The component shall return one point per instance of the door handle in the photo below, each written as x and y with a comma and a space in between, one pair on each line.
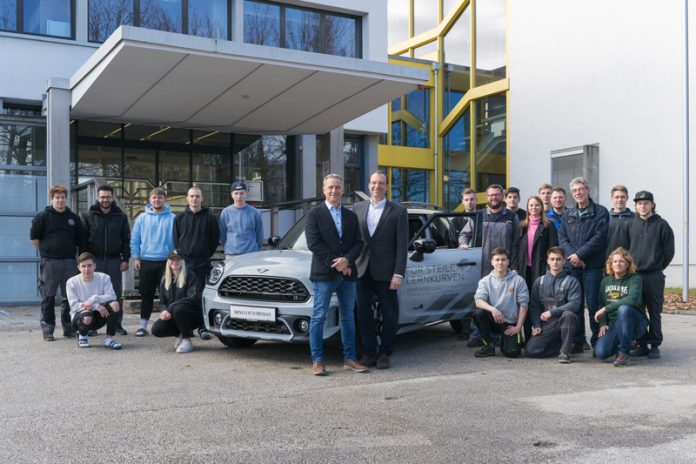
466, 262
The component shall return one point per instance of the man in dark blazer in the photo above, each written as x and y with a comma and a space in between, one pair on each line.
333, 236
381, 268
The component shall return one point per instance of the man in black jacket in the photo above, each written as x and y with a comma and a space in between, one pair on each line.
651, 244
108, 239
620, 217
196, 237
57, 233
333, 237
381, 268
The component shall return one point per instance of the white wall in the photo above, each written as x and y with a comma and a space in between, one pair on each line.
592, 71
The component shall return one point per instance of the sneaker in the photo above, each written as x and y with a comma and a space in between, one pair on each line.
178, 341
474, 342
640, 350
564, 358
622, 360
185, 346
654, 352
353, 365
368, 361
120, 330
141, 332
318, 368
576, 348
113, 344
48, 337
83, 342
484, 352
204, 334
383, 361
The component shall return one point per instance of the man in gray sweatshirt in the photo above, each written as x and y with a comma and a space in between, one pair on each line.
501, 299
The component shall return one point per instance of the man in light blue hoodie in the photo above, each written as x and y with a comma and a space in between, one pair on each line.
151, 241
502, 300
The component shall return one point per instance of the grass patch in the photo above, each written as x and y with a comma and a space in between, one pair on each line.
678, 291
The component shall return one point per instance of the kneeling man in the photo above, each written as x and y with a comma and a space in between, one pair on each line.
92, 302
501, 306
554, 304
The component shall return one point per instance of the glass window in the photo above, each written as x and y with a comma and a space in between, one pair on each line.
98, 161
458, 41
491, 141
105, 16
490, 41
424, 15
302, 30
397, 17
48, 17
22, 145
418, 106
352, 155
323, 161
208, 18
139, 164
22, 191
457, 160
102, 130
261, 23
13, 236
18, 282
396, 138
340, 35
410, 185
266, 160
8, 15
174, 165
163, 15
214, 138
426, 52
456, 85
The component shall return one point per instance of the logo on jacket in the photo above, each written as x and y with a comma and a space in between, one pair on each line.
71, 221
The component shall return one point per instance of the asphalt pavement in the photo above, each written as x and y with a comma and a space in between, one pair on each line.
437, 404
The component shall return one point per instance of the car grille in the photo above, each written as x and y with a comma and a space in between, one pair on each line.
263, 288
257, 326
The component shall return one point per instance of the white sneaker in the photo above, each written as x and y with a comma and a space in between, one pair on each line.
178, 342
185, 346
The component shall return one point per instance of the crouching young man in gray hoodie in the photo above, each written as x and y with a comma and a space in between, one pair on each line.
502, 299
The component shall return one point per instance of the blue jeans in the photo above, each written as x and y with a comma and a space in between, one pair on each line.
345, 291
629, 325
589, 279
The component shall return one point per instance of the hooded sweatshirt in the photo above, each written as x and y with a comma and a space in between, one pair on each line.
651, 243
60, 235
614, 292
556, 294
618, 228
152, 238
196, 235
505, 293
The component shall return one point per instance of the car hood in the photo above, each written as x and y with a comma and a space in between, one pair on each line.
273, 263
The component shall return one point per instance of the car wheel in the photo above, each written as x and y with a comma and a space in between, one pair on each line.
236, 342
457, 325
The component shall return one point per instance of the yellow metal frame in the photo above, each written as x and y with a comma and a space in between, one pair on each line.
427, 158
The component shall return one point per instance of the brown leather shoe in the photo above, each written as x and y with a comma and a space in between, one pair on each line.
318, 369
353, 365
368, 361
383, 361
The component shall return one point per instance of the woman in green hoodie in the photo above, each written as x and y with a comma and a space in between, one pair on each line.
622, 316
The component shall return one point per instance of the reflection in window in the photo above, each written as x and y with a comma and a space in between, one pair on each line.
397, 17
106, 15
99, 161
410, 185
163, 15
261, 23
266, 160
410, 127
302, 30
456, 85
491, 141
352, 155
207, 18
8, 15
22, 145
490, 41
458, 41
48, 17
174, 166
424, 15
340, 35
18, 282
22, 191
457, 160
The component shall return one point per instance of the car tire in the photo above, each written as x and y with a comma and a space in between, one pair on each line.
236, 342
457, 325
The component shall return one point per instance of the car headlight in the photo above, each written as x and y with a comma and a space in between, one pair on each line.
216, 273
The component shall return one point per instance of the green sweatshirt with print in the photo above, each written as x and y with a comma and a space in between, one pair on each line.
614, 292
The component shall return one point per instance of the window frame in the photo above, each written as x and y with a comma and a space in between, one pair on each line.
19, 22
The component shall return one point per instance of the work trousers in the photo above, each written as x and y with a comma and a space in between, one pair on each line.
55, 273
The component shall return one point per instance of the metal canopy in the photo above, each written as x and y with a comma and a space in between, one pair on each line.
162, 78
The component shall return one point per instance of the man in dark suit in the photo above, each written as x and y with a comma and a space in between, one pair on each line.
333, 236
381, 268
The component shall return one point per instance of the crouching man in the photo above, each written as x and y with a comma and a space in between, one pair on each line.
553, 304
92, 302
502, 299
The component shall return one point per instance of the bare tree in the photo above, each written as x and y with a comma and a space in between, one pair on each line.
106, 15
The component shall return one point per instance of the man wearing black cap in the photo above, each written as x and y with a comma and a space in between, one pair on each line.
651, 244
241, 229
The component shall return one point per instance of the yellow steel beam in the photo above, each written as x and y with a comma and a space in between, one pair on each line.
405, 157
477, 92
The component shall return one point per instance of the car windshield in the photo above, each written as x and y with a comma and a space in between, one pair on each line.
444, 228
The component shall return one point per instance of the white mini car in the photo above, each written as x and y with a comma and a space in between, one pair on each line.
267, 295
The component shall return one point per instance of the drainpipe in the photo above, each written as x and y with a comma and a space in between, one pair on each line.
685, 238
436, 128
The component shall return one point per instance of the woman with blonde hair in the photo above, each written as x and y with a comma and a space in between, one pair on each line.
622, 317
535, 237
182, 312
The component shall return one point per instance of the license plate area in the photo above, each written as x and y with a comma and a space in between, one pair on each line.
253, 313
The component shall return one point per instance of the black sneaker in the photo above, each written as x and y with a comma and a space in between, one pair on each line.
586, 346
564, 358
654, 352
48, 337
67, 333
474, 342
485, 351
204, 334
640, 350
120, 330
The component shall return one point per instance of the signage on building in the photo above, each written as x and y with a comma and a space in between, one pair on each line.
255, 192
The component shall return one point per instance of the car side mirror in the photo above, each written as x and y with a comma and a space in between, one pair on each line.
273, 241
422, 246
